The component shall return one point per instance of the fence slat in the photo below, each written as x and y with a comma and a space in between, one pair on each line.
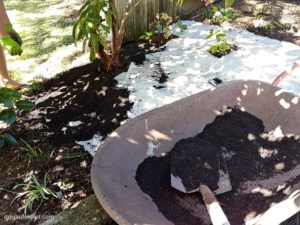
145, 13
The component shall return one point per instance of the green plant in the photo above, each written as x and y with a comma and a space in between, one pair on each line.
146, 36
10, 100
264, 10
93, 26
229, 3
218, 15
182, 27
32, 153
161, 25
34, 191
98, 18
220, 46
270, 26
223, 15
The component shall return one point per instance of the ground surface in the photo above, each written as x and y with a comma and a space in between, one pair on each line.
80, 94
285, 13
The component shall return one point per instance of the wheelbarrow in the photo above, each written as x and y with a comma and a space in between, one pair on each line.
156, 132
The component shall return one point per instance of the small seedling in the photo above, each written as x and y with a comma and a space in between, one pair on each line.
181, 26
32, 153
223, 15
146, 36
270, 26
34, 191
262, 11
220, 47
161, 25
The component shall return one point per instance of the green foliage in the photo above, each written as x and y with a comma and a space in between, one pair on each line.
32, 153
10, 100
161, 25
218, 15
182, 27
270, 26
221, 45
93, 25
146, 36
33, 191
264, 10
229, 3
274, 25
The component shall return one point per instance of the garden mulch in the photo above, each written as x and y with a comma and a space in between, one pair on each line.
80, 94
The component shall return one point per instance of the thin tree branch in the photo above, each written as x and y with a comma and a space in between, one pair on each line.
128, 11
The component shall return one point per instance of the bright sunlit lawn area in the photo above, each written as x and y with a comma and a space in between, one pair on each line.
45, 27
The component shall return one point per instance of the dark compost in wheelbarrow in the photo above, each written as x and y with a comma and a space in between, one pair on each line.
251, 154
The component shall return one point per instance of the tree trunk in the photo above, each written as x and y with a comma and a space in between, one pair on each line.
117, 39
106, 59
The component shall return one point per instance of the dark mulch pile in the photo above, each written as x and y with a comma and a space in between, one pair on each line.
196, 161
252, 153
80, 94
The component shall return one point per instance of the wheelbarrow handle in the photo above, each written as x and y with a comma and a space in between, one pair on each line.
213, 207
279, 212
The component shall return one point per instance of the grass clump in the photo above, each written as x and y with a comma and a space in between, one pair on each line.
34, 191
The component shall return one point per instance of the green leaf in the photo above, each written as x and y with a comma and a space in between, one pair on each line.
25, 105
229, 3
219, 36
9, 93
211, 33
8, 116
7, 102
9, 139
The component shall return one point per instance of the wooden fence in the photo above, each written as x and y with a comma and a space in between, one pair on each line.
145, 13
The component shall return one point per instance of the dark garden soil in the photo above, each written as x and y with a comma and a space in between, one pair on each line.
284, 14
251, 153
196, 161
80, 94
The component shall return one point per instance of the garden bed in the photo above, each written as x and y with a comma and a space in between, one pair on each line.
82, 94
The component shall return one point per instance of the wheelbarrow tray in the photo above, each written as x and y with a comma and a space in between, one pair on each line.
156, 132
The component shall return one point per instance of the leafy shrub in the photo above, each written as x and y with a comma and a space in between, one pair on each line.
220, 47
218, 15
93, 26
10, 100
146, 36
161, 25
98, 18
182, 27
